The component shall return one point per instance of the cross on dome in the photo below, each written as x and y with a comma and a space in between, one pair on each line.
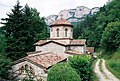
61, 16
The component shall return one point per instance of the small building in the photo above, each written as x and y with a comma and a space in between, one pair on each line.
48, 52
90, 50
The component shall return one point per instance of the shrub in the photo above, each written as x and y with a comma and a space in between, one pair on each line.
83, 66
62, 72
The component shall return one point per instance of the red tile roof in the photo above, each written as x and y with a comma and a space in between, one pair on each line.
60, 22
77, 42
46, 60
73, 52
90, 49
72, 42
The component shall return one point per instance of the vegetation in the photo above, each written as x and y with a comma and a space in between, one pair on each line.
111, 37
113, 63
3, 69
22, 29
83, 66
100, 66
95, 28
62, 72
102, 30
3, 60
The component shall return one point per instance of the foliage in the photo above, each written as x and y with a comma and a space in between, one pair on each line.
22, 29
2, 44
62, 72
93, 26
111, 36
83, 66
113, 63
3, 60
3, 67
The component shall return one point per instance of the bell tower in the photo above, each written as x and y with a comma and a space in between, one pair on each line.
61, 29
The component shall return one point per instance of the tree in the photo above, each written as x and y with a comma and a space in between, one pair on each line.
83, 66
2, 44
111, 37
62, 72
23, 28
3, 67
3, 60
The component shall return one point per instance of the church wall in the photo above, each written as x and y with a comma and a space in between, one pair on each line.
37, 70
51, 47
53, 32
78, 48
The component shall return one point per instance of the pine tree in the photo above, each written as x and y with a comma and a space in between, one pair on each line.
23, 28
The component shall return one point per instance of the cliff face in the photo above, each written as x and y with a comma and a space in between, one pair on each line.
72, 15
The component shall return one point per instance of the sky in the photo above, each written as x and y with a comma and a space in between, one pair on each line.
49, 7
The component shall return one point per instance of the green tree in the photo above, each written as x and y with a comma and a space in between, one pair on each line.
83, 66
111, 36
3, 67
3, 60
62, 72
23, 28
93, 26
2, 44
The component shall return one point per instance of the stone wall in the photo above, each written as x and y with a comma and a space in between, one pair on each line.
53, 32
51, 47
16, 69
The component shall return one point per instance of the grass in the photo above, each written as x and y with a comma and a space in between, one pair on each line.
100, 65
113, 68
94, 77
101, 69
113, 63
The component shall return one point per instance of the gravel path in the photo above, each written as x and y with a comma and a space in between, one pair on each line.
106, 75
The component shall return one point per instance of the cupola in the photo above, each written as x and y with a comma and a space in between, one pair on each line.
61, 29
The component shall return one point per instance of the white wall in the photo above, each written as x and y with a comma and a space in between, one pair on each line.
51, 47
78, 48
38, 71
53, 33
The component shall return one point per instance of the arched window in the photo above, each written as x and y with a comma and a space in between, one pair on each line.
57, 32
32, 71
66, 32
22, 70
26, 67
51, 30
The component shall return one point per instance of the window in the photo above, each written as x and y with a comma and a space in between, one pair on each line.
21, 70
57, 32
32, 71
66, 32
26, 67
51, 30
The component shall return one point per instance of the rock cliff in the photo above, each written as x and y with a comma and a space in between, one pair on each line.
72, 15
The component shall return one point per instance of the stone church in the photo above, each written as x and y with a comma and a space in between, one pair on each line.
48, 52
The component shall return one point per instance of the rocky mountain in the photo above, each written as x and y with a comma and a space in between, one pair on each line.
72, 15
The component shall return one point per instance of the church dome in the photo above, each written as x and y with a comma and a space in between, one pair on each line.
61, 22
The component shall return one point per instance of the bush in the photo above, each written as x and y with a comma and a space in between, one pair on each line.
83, 66
62, 72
